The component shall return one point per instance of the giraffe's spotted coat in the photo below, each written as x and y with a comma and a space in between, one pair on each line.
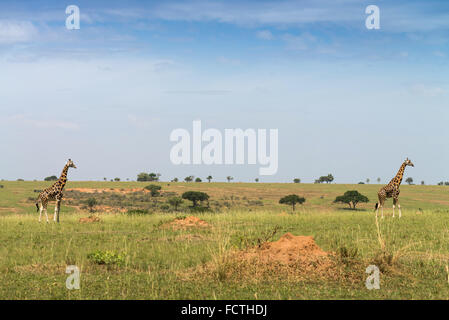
391, 190
54, 193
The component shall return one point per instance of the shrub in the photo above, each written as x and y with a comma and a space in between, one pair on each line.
296, 180
175, 202
292, 200
91, 203
51, 178
106, 258
352, 198
195, 196
137, 211
198, 180
154, 189
1, 186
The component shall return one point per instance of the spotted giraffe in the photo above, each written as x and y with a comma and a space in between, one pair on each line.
54, 193
391, 190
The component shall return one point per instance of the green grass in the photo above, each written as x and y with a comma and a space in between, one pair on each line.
154, 259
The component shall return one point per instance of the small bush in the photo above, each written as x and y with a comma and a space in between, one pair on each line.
1, 186
200, 209
91, 203
137, 212
154, 189
106, 258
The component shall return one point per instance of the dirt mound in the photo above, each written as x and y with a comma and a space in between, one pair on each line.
289, 249
89, 219
291, 258
188, 222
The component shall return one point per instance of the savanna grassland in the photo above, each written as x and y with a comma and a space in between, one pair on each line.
134, 253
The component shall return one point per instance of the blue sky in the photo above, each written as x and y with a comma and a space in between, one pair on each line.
346, 100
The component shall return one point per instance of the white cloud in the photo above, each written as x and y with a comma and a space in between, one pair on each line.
299, 42
426, 90
16, 31
27, 120
265, 35
440, 54
229, 61
141, 122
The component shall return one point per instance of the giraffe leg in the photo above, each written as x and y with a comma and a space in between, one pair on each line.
382, 209
57, 208
393, 209
56, 211
46, 214
40, 212
399, 207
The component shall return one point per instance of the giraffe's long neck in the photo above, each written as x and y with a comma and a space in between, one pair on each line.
63, 178
398, 178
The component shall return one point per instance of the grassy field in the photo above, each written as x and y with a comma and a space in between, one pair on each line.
159, 262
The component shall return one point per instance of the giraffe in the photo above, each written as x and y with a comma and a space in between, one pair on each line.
392, 190
54, 193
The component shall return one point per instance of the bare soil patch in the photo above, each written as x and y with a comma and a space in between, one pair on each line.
292, 258
187, 222
115, 190
89, 219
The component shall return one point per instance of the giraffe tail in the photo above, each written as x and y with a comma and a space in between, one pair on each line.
376, 206
37, 206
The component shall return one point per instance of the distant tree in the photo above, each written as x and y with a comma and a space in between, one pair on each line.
198, 180
409, 180
175, 202
361, 182
154, 176
154, 189
143, 176
296, 180
378, 180
446, 183
20, 179
292, 200
188, 179
352, 198
367, 180
195, 196
105, 178
229, 178
51, 178
329, 178
175, 180
441, 183
209, 178
91, 203
423, 183
148, 176
116, 179
257, 179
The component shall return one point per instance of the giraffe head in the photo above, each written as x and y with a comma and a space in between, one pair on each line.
408, 162
70, 164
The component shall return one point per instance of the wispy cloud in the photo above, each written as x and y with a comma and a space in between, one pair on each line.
199, 92
427, 90
141, 121
16, 31
28, 120
299, 42
265, 35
